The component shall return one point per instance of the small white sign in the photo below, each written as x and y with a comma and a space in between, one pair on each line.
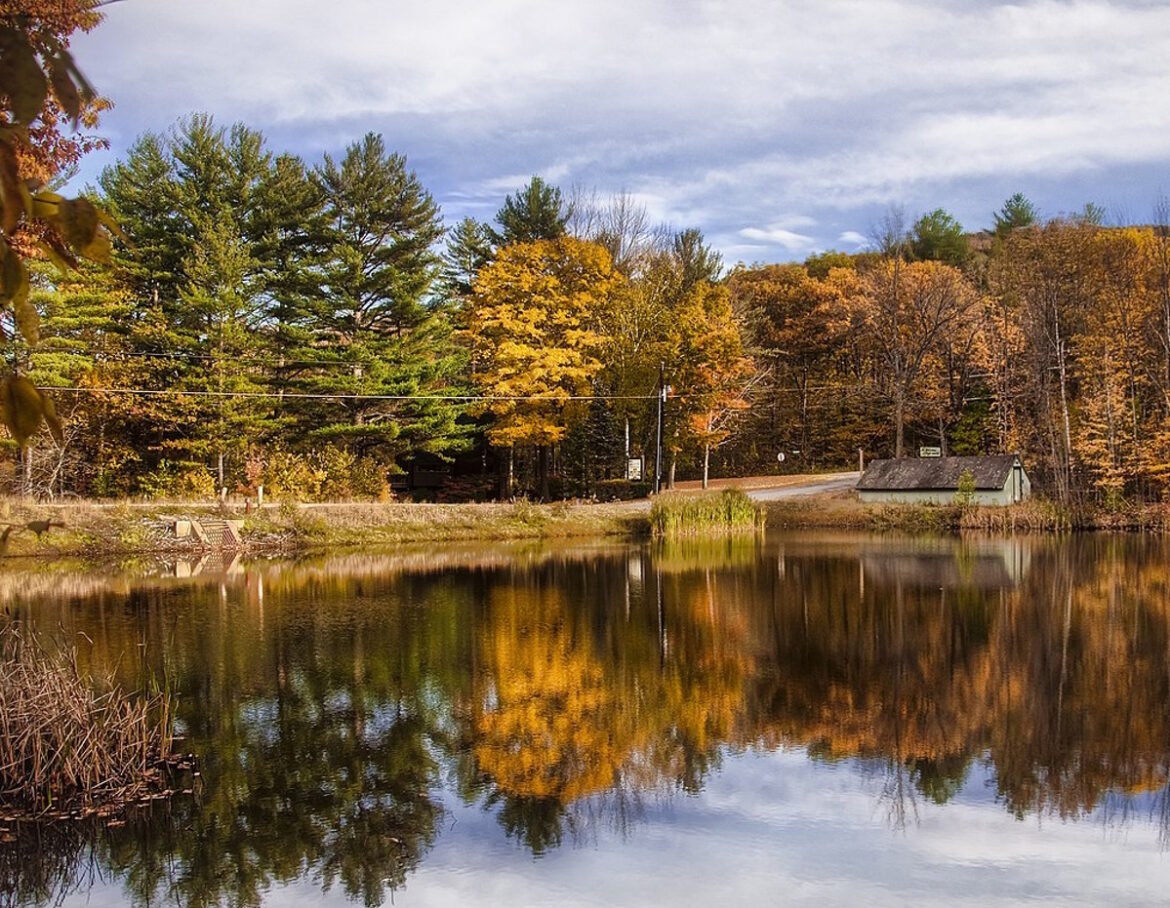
780, 456
930, 452
634, 469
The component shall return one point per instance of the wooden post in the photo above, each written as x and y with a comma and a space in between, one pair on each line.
861, 460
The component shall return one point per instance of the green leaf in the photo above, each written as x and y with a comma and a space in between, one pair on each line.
57, 254
10, 186
13, 276
47, 205
63, 88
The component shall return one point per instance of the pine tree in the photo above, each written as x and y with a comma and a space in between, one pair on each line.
372, 332
84, 318
190, 203
536, 212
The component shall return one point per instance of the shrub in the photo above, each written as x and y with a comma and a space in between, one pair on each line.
182, 480
291, 477
965, 490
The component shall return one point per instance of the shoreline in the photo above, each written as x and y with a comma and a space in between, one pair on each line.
97, 530
101, 530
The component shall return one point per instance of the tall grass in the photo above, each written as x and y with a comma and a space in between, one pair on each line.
694, 515
69, 742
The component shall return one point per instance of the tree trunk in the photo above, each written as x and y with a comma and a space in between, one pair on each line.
706, 464
670, 474
1064, 410
26, 457
542, 471
899, 422
504, 476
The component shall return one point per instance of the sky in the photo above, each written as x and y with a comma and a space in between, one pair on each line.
778, 128
768, 828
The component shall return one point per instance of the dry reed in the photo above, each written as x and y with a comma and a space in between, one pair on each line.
731, 510
70, 743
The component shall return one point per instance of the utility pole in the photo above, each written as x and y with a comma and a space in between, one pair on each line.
661, 417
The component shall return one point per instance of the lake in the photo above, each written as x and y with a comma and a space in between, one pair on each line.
803, 719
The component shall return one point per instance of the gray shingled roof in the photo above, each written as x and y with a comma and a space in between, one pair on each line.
936, 473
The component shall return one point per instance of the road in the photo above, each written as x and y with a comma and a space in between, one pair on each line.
830, 482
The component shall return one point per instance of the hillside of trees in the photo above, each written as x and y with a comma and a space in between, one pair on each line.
316, 328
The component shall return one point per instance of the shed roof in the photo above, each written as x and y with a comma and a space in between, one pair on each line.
936, 473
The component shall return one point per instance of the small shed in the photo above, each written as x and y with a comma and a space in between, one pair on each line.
999, 480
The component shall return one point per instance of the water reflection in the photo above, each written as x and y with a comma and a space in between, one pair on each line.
338, 704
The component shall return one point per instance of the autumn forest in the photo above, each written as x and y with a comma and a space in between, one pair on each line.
318, 330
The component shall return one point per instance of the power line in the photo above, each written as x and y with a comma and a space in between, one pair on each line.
278, 395
199, 357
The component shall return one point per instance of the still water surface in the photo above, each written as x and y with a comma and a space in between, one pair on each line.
828, 720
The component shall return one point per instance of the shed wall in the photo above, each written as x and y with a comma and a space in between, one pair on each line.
940, 496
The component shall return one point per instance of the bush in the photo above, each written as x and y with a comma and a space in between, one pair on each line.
327, 474
291, 477
181, 480
965, 490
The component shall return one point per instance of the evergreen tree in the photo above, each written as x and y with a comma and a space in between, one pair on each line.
536, 212
469, 249
1016, 212
84, 317
372, 333
696, 261
189, 202
938, 237
291, 230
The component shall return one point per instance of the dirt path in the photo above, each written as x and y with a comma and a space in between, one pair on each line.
778, 488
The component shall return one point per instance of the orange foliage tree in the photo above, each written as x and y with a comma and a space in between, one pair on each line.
534, 332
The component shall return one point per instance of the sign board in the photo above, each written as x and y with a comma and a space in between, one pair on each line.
930, 452
780, 456
634, 469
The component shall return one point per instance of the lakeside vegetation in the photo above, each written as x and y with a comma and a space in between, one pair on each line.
128, 530
71, 744
288, 355
729, 511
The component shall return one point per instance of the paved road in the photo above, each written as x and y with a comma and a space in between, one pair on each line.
833, 482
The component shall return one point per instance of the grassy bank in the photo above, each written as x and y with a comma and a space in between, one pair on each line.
1036, 516
91, 530
99, 531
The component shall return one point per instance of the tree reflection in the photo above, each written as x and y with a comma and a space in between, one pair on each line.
560, 692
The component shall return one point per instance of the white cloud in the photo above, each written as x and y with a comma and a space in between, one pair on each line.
777, 236
729, 109
853, 238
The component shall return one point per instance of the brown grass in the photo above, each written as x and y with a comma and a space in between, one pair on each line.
69, 743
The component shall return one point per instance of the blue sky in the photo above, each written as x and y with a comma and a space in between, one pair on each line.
778, 128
